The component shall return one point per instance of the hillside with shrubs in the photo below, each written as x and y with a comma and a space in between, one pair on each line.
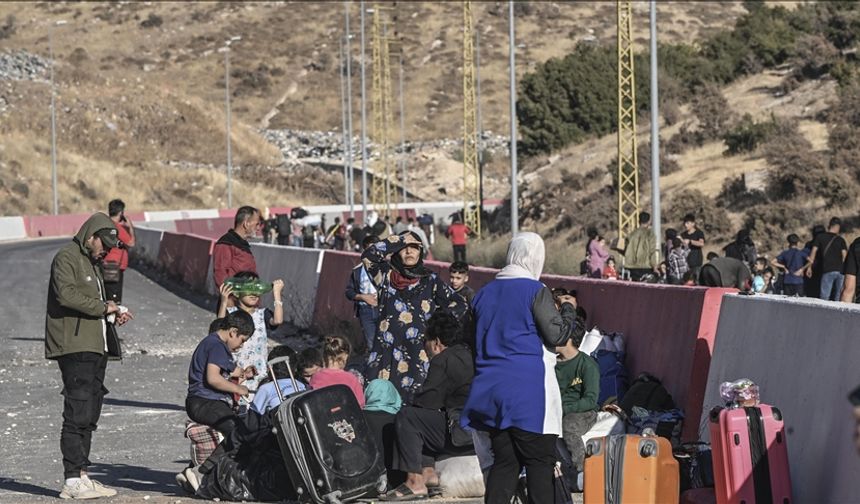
759, 130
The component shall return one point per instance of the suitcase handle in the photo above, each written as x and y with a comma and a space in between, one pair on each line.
271, 366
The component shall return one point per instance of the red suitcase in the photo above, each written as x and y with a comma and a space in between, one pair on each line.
750, 456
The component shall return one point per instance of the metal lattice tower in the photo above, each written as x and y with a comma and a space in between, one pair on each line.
471, 170
383, 116
628, 161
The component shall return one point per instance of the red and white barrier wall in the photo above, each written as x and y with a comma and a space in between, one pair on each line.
13, 228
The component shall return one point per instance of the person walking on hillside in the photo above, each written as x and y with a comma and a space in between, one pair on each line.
458, 233
408, 294
640, 255
833, 250
232, 252
515, 396
77, 336
116, 261
694, 239
793, 262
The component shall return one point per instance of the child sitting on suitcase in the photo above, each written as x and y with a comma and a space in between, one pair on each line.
267, 397
336, 352
578, 378
308, 362
210, 392
253, 353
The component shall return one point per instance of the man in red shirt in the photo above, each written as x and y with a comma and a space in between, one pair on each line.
117, 258
458, 233
232, 252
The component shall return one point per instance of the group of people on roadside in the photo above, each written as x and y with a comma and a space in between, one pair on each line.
825, 266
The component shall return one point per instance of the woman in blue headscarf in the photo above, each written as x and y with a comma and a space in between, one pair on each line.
515, 395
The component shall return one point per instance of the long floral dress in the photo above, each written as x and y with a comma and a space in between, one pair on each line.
398, 353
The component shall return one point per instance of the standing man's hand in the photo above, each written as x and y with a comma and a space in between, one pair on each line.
567, 299
111, 307
124, 317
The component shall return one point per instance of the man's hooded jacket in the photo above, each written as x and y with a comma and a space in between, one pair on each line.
74, 321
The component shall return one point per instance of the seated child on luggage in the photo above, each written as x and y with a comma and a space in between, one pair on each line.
308, 363
383, 403
336, 352
210, 392
578, 378
267, 397
253, 353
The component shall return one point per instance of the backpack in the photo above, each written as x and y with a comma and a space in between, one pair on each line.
646, 392
613, 376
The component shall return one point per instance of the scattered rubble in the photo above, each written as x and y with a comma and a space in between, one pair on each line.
21, 65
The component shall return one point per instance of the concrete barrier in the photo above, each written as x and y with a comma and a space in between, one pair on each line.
186, 257
172, 215
146, 244
210, 228
55, 225
162, 225
12, 228
299, 269
331, 304
803, 354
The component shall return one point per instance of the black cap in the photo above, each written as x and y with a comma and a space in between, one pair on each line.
109, 237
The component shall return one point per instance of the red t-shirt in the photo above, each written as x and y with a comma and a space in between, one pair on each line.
120, 255
458, 233
329, 376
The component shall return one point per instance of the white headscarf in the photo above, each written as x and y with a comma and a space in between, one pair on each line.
526, 255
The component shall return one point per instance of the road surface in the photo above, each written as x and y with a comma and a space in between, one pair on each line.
139, 445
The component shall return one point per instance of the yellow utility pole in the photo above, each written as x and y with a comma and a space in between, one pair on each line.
628, 161
471, 170
383, 116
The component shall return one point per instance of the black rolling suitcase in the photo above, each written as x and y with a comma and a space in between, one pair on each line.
328, 448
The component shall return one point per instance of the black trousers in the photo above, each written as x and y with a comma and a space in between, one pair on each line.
422, 435
113, 291
218, 415
459, 253
513, 449
793, 289
83, 376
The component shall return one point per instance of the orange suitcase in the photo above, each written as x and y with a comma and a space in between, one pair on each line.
631, 469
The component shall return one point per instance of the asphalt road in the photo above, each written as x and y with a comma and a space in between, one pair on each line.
139, 445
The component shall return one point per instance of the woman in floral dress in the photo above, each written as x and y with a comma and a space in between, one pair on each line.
408, 293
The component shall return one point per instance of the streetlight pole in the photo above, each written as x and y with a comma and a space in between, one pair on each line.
343, 120
402, 134
226, 50
513, 90
480, 124
655, 132
227, 108
54, 188
363, 121
349, 114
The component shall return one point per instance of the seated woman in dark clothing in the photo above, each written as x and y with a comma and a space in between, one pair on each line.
424, 430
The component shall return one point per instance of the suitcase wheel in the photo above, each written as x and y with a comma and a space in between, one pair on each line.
647, 448
777, 415
593, 447
715, 414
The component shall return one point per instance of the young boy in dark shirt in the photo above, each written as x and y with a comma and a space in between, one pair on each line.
210, 391
579, 380
459, 274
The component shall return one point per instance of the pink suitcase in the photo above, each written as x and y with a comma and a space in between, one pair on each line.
750, 456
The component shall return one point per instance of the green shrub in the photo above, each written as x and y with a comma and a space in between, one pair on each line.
747, 135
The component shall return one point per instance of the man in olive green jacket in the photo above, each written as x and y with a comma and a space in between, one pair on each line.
75, 336
640, 255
